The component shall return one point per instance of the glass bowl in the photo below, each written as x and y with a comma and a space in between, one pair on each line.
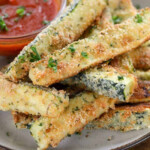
13, 45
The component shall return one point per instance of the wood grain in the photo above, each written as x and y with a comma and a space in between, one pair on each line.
142, 146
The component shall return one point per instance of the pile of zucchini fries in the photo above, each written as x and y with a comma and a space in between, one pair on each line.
90, 68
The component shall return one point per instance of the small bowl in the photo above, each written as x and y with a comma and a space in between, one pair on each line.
13, 45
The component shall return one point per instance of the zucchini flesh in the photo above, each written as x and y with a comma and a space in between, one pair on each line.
107, 81
29, 99
64, 30
80, 111
124, 118
108, 44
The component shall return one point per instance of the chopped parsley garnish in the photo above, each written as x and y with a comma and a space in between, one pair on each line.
137, 6
116, 19
120, 78
52, 64
72, 49
45, 0
21, 11
21, 58
35, 56
3, 26
84, 54
41, 124
45, 22
138, 18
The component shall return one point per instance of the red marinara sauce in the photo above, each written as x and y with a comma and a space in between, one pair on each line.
26, 16
21, 20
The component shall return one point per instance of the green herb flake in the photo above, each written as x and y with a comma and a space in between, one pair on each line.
84, 54
35, 55
116, 19
138, 18
138, 6
120, 78
72, 49
45, 22
7, 133
3, 26
21, 58
45, 0
21, 11
52, 64
41, 124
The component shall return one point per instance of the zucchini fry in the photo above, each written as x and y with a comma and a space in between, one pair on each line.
124, 118
83, 108
103, 22
89, 52
141, 94
29, 99
107, 81
141, 58
64, 30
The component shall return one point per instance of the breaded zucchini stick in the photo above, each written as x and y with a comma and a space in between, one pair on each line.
83, 108
124, 118
116, 12
29, 99
141, 58
64, 30
107, 81
140, 95
89, 52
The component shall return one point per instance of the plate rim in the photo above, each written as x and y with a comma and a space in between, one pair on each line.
123, 147
134, 143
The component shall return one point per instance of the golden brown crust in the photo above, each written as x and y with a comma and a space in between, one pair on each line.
101, 48
141, 58
142, 93
26, 98
124, 118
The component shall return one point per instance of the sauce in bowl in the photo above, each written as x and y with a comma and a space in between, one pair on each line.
25, 16
21, 20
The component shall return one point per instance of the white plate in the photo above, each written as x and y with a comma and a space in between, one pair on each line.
96, 140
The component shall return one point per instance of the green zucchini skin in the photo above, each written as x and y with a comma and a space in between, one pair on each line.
62, 31
124, 118
106, 81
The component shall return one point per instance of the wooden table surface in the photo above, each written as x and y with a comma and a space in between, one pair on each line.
142, 146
